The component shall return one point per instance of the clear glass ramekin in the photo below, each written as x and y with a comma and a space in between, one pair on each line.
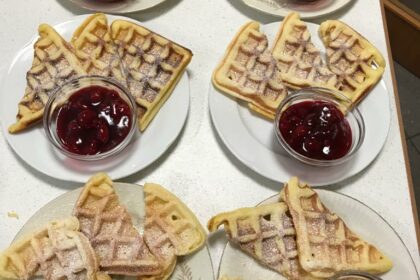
351, 114
61, 95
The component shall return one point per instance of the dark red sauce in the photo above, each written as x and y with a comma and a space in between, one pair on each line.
94, 120
316, 129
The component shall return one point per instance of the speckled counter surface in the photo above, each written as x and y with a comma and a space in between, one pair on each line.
198, 168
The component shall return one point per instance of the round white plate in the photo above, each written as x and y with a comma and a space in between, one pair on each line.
33, 147
118, 6
282, 8
363, 220
194, 266
252, 139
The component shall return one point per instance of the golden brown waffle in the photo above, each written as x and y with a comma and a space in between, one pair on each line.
248, 72
266, 233
325, 244
169, 224
358, 64
57, 252
95, 49
54, 63
170, 229
170, 267
153, 66
298, 59
107, 224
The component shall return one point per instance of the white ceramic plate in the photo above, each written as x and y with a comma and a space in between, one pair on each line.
118, 6
252, 139
358, 216
33, 147
196, 266
282, 8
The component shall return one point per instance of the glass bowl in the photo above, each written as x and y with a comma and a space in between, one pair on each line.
354, 275
60, 97
351, 114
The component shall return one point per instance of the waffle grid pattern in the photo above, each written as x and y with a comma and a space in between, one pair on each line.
326, 245
58, 252
345, 59
249, 72
107, 224
265, 232
299, 61
53, 64
96, 50
152, 64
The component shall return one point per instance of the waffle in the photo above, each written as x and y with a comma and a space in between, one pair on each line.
358, 64
248, 72
299, 61
266, 233
325, 244
224, 277
166, 273
95, 49
57, 251
169, 222
153, 66
53, 64
107, 224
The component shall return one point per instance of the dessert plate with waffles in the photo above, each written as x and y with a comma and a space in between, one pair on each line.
306, 234
264, 65
149, 66
107, 230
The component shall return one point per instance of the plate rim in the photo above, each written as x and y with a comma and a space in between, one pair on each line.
81, 178
117, 12
338, 194
19, 233
303, 15
261, 171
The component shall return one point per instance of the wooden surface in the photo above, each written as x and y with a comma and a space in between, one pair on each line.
404, 34
400, 121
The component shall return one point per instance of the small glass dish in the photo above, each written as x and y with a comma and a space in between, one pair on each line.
351, 114
354, 275
60, 97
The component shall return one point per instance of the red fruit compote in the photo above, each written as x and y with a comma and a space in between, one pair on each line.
94, 120
316, 130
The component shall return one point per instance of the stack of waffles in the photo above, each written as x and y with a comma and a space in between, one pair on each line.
101, 240
299, 237
148, 64
259, 75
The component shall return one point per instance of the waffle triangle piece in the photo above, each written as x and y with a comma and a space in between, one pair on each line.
169, 224
358, 64
153, 66
298, 59
266, 233
170, 229
325, 244
249, 72
107, 224
95, 49
56, 251
54, 63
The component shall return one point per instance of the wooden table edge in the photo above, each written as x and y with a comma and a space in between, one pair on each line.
401, 128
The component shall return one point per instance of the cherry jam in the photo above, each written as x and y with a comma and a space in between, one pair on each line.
94, 120
316, 129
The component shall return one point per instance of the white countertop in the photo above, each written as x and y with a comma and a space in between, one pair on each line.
198, 168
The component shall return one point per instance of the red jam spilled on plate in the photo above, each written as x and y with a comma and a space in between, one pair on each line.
316, 129
94, 120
